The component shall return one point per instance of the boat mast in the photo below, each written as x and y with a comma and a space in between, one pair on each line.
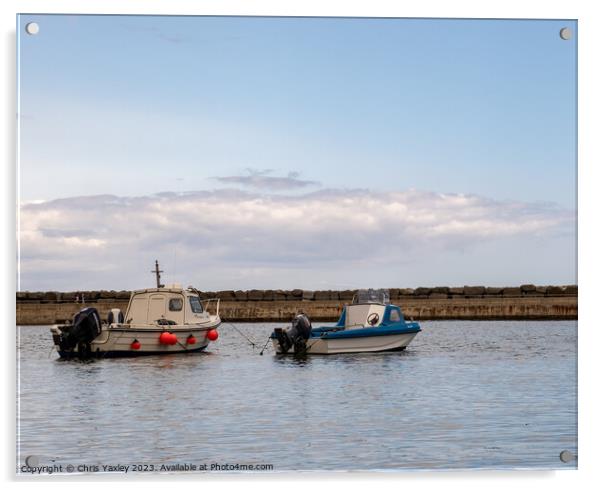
157, 273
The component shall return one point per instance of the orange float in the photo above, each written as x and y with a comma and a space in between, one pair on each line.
168, 338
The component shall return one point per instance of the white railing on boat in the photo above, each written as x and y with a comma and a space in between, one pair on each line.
207, 302
180, 326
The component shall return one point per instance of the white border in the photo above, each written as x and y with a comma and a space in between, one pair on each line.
590, 30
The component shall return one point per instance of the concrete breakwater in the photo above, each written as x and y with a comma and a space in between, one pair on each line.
526, 302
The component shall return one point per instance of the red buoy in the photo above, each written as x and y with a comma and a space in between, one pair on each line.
135, 345
191, 340
168, 338
212, 335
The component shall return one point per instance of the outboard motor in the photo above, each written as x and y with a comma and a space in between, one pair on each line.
294, 336
86, 327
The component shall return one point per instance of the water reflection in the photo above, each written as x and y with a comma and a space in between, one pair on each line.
292, 361
463, 395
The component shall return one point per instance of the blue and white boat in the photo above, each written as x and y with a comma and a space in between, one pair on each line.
369, 324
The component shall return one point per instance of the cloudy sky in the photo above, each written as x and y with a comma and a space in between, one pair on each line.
280, 153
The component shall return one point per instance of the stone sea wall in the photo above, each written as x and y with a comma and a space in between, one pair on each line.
424, 303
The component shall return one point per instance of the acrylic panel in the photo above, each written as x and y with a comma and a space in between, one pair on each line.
265, 244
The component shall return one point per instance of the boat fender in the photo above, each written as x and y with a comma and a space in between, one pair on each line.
135, 345
164, 338
191, 340
168, 338
212, 335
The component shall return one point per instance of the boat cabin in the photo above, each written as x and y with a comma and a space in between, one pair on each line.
370, 308
169, 305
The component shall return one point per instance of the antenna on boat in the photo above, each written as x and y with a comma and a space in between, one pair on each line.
157, 273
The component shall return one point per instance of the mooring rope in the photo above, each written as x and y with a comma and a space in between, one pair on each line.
254, 344
265, 345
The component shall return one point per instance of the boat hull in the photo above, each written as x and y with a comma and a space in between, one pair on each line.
120, 342
376, 343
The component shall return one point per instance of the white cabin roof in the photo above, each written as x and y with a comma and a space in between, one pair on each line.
171, 289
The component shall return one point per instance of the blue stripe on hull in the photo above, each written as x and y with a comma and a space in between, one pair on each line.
365, 332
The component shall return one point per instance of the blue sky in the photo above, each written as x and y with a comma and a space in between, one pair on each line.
293, 108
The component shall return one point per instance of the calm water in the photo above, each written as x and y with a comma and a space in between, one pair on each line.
463, 395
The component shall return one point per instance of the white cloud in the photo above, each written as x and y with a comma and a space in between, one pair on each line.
221, 239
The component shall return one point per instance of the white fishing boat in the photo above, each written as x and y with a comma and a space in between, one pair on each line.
161, 320
369, 324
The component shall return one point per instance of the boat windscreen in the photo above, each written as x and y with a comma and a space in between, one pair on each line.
195, 304
380, 296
